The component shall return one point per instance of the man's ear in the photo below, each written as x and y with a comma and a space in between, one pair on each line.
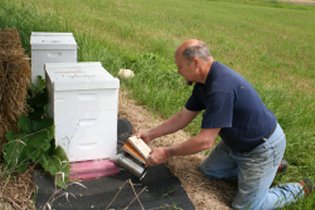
196, 62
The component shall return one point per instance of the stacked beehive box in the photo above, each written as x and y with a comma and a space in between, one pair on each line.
83, 100
51, 48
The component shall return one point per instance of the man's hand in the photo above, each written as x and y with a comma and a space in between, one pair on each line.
158, 156
144, 135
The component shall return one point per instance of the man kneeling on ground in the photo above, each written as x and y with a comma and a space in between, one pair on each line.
253, 142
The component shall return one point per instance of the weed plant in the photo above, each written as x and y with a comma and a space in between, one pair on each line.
270, 43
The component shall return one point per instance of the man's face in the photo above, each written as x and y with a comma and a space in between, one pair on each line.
185, 68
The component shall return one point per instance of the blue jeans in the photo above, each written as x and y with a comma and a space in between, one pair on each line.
254, 172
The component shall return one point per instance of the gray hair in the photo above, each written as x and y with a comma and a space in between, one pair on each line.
199, 50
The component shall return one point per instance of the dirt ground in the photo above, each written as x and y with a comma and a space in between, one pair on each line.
304, 2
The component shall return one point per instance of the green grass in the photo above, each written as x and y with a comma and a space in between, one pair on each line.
272, 44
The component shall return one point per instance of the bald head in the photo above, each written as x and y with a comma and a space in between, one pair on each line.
193, 48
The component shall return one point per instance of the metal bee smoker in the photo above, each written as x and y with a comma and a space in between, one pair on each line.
130, 165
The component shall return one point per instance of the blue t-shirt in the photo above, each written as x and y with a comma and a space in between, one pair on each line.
232, 104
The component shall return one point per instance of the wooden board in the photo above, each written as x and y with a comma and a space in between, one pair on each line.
127, 147
140, 146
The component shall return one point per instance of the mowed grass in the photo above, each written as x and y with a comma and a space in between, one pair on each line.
271, 44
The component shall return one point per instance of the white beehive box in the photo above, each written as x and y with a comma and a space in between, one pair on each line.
83, 101
51, 48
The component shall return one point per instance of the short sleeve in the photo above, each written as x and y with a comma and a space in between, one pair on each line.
194, 103
219, 111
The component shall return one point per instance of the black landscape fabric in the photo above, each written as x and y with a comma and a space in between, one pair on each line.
158, 190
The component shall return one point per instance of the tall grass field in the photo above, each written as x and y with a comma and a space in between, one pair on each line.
271, 44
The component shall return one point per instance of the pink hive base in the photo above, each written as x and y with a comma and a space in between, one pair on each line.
92, 169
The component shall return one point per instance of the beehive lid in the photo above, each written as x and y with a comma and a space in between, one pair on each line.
43, 40
79, 76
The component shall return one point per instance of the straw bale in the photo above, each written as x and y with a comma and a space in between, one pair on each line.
9, 39
15, 76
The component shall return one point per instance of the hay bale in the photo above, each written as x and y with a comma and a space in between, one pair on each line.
10, 39
15, 74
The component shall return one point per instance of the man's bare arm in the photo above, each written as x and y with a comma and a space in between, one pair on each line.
173, 124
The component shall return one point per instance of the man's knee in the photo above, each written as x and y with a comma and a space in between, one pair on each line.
212, 174
254, 204
249, 196
206, 171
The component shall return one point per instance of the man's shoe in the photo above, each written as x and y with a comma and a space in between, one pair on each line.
307, 185
282, 168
